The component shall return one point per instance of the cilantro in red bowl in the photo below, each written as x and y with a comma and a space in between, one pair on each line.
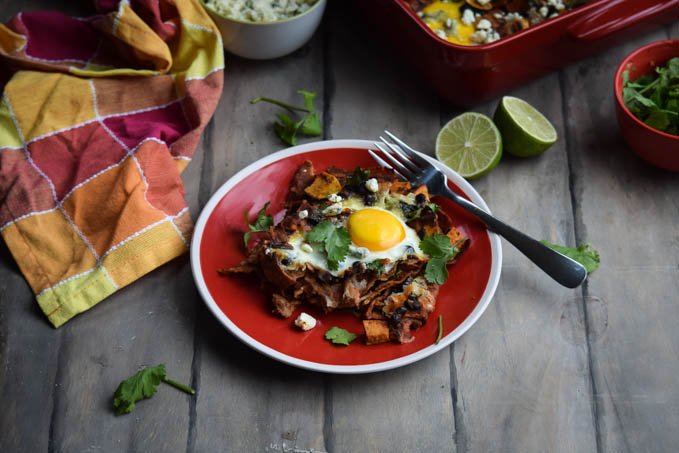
654, 98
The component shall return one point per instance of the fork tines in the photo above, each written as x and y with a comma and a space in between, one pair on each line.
400, 158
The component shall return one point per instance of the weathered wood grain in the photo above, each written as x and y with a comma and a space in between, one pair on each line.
29, 347
408, 409
545, 369
247, 402
628, 210
522, 371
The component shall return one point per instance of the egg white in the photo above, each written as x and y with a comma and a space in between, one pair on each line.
302, 254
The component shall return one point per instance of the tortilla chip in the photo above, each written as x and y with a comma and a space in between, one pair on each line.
324, 184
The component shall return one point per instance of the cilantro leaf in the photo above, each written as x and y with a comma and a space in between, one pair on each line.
337, 335
440, 251
583, 254
653, 98
142, 385
433, 206
287, 127
335, 241
377, 266
438, 245
436, 270
311, 125
309, 97
358, 177
262, 223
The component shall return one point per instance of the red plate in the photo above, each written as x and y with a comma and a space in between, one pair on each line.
244, 309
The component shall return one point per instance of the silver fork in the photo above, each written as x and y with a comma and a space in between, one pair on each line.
411, 166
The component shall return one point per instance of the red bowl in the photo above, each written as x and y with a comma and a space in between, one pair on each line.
654, 146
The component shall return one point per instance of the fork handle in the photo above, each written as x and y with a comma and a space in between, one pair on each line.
561, 268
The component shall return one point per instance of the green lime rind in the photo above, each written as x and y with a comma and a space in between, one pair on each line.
525, 131
470, 144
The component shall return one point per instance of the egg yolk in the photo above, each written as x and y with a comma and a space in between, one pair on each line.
375, 229
437, 15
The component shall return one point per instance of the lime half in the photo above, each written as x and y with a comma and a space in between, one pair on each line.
470, 144
525, 131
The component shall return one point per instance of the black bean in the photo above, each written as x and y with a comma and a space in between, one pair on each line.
314, 218
285, 262
325, 277
420, 199
370, 199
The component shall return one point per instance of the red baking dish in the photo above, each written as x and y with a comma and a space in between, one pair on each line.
466, 75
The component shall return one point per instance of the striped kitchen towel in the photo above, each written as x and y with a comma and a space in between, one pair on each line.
98, 118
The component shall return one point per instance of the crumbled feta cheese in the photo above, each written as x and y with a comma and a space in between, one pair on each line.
333, 209
484, 24
307, 248
492, 36
479, 36
468, 17
449, 23
334, 198
303, 214
499, 15
260, 10
544, 11
305, 322
441, 34
372, 185
553, 15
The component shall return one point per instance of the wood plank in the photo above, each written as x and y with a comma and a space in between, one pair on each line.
247, 402
29, 348
522, 371
407, 409
630, 310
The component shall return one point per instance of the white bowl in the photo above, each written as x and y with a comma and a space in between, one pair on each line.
266, 40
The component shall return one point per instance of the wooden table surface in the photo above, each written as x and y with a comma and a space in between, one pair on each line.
544, 369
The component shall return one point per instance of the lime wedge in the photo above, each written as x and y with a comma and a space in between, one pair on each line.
525, 131
470, 144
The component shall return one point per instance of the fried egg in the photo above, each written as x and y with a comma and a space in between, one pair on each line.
377, 232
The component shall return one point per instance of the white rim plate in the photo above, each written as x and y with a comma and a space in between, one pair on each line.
491, 285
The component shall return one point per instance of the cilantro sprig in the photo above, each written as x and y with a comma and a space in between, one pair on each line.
143, 385
654, 98
335, 242
358, 177
583, 254
377, 266
290, 125
262, 223
340, 336
440, 251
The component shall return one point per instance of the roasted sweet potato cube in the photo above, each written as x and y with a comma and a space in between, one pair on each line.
376, 331
456, 237
324, 184
422, 190
399, 187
